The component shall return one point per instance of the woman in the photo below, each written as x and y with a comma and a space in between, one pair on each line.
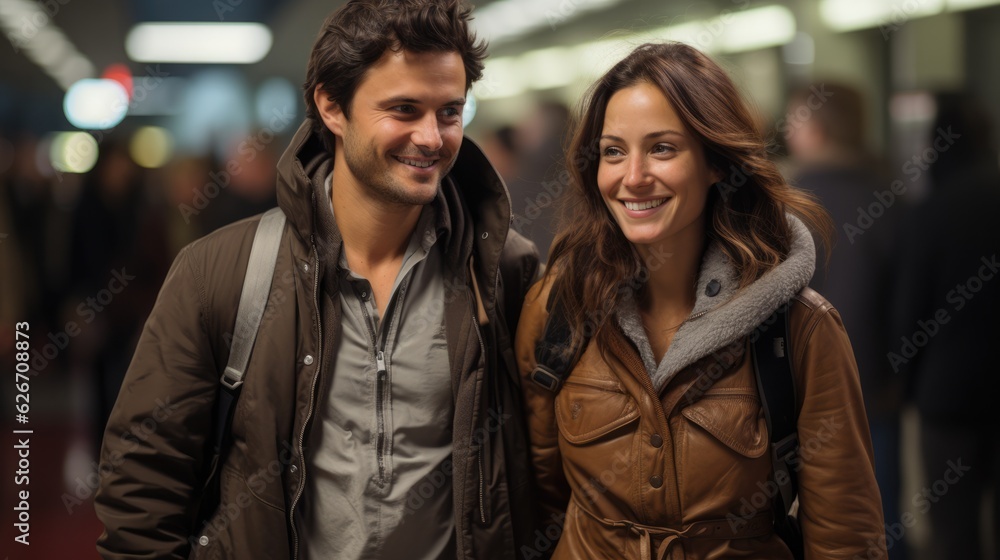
684, 239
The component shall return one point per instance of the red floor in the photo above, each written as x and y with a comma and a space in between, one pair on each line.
55, 533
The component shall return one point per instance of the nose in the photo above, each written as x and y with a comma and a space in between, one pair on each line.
427, 134
636, 174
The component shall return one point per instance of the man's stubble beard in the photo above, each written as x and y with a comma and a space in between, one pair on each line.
374, 174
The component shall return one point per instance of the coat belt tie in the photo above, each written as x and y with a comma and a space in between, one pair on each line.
759, 525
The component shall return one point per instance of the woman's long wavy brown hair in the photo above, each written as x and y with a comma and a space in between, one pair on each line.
594, 265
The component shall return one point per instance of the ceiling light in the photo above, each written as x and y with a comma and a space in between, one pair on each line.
956, 5
199, 43
504, 20
32, 32
747, 30
850, 15
759, 28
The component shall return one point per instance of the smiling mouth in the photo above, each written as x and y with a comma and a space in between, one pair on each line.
422, 164
645, 205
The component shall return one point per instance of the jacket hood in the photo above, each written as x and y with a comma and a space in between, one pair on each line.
723, 313
477, 202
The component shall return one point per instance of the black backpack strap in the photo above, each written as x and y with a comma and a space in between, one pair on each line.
772, 362
555, 354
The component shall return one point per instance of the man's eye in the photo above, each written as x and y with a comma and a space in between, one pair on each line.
408, 109
451, 112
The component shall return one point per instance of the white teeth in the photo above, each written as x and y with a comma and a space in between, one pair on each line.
644, 205
415, 163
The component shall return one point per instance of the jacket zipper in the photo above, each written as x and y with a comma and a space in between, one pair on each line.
482, 349
482, 505
380, 414
696, 315
380, 371
381, 374
309, 411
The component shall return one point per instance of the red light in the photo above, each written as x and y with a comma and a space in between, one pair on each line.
121, 74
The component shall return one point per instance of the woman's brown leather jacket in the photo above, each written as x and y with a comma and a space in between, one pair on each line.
684, 472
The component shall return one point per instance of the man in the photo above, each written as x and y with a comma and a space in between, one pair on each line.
944, 325
378, 416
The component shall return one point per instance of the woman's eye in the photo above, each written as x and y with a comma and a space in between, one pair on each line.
612, 151
663, 149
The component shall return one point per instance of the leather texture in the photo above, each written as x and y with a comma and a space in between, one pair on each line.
684, 473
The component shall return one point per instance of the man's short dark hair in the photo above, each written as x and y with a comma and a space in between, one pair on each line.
356, 36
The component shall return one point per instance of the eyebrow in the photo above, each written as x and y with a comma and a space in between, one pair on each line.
413, 101
648, 136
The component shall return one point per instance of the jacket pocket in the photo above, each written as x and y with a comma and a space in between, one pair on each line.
734, 419
590, 409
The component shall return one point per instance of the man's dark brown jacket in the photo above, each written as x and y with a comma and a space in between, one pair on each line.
159, 438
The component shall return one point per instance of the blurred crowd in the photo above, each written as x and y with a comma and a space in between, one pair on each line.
912, 276
84, 255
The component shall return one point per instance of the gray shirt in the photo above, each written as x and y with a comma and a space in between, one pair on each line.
380, 476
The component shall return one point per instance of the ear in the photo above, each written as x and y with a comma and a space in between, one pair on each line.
329, 111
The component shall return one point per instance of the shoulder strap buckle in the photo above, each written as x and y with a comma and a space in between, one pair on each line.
232, 379
785, 464
543, 376
787, 449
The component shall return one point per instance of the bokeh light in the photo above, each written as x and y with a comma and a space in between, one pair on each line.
96, 104
73, 152
151, 146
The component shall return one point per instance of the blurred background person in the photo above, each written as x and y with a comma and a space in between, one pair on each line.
946, 298
34, 233
183, 179
117, 236
501, 149
13, 275
825, 134
246, 177
538, 181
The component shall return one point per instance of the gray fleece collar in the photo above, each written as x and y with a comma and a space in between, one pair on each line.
728, 314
